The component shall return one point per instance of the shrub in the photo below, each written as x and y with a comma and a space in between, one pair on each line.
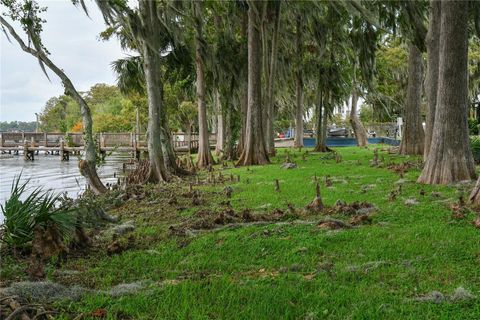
473, 126
23, 214
475, 146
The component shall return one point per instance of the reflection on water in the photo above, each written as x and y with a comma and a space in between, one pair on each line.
50, 173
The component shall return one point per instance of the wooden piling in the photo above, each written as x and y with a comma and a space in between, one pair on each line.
25, 150
64, 155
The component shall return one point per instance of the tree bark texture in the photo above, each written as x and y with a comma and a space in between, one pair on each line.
243, 94
159, 146
88, 167
270, 100
413, 136
265, 66
151, 61
220, 143
450, 158
475, 194
254, 151
243, 119
169, 156
432, 43
318, 129
322, 121
298, 139
357, 125
204, 157
229, 146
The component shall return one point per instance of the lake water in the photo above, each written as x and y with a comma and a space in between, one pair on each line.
50, 173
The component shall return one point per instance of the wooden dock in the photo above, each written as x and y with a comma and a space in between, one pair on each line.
66, 144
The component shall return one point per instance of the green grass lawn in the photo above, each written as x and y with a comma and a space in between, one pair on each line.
295, 271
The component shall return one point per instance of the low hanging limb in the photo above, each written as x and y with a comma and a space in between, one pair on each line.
38, 52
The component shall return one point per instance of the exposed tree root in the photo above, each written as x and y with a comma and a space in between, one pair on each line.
317, 204
181, 231
89, 171
12, 307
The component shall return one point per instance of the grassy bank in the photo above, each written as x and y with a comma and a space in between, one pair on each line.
289, 269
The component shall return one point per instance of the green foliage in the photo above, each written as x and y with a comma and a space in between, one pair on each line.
473, 126
25, 210
60, 114
366, 113
475, 146
185, 117
389, 92
474, 67
282, 124
111, 110
130, 74
6, 126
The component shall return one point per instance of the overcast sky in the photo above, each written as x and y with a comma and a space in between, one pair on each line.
72, 39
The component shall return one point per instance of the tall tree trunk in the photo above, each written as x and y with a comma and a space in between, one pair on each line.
158, 143
324, 135
319, 124
88, 166
189, 137
357, 126
270, 101
151, 61
450, 158
231, 126
204, 158
229, 145
432, 43
219, 146
298, 139
322, 122
413, 136
265, 66
243, 117
254, 151
169, 156
137, 120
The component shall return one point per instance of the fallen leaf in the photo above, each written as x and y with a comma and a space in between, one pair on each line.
99, 313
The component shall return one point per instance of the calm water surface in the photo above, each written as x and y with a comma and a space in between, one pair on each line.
50, 173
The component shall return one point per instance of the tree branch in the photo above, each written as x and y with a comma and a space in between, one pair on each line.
40, 55
20, 41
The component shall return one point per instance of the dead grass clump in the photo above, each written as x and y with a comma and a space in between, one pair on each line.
333, 224
140, 174
15, 307
207, 220
353, 208
402, 168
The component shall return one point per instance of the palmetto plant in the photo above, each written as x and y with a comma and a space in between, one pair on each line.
475, 146
26, 211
